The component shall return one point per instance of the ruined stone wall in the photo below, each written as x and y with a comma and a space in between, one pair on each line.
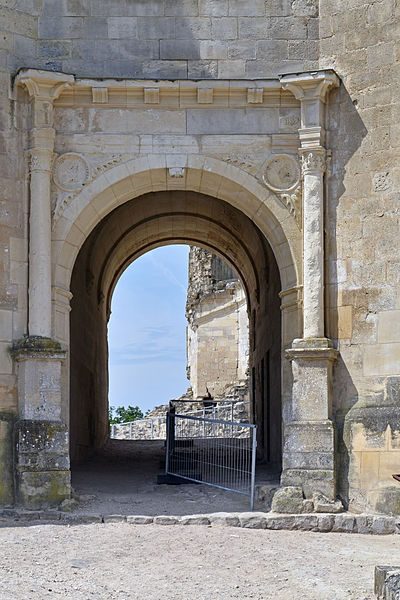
218, 329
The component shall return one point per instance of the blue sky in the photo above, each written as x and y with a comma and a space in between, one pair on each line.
147, 330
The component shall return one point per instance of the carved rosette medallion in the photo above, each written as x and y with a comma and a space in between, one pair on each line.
71, 172
282, 173
282, 176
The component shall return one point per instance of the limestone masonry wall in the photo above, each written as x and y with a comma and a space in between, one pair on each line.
180, 123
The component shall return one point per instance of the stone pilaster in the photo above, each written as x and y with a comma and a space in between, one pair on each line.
43, 87
41, 436
309, 448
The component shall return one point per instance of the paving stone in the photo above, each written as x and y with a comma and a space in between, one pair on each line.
139, 519
114, 518
344, 523
253, 520
194, 520
166, 520
280, 522
383, 525
224, 519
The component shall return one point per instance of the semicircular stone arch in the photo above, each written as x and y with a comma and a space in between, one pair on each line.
206, 175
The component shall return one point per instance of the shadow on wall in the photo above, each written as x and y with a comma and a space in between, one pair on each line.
345, 134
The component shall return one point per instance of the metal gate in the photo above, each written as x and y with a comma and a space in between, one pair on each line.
217, 453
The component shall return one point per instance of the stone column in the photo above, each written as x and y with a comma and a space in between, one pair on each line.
309, 440
42, 449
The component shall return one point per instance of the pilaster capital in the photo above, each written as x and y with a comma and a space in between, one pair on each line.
310, 86
43, 87
311, 89
40, 160
312, 161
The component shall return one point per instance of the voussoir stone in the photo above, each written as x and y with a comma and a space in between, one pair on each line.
288, 500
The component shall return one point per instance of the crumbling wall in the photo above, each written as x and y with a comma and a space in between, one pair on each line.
218, 329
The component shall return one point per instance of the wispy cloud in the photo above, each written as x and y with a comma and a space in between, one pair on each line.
168, 274
152, 344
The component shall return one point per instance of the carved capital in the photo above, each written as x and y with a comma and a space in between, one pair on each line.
310, 85
313, 162
40, 160
43, 87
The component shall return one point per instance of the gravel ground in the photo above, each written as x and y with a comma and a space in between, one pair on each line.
122, 561
123, 480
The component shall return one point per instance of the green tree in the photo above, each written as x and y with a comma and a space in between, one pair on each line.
122, 414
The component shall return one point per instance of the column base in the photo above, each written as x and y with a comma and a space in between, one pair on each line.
309, 458
309, 444
43, 478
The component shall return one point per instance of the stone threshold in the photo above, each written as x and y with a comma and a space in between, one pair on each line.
320, 523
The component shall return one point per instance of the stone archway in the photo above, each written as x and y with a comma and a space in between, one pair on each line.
151, 220
308, 454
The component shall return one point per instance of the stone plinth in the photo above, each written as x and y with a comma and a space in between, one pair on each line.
41, 438
309, 449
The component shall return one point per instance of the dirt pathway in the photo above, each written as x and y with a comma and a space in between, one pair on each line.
154, 562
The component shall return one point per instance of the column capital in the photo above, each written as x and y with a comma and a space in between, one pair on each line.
311, 89
43, 84
310, 86
312, 160
43, 87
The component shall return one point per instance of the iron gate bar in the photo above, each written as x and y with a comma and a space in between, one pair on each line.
230, 466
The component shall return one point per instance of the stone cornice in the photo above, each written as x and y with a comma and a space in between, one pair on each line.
178, 94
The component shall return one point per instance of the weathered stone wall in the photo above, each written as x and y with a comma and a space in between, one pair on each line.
216, 40
172, 39
361, 42
218, 331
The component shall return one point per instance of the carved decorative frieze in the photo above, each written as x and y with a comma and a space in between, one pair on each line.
243, 161
71, 172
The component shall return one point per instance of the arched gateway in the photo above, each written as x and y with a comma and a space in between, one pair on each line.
237, 169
